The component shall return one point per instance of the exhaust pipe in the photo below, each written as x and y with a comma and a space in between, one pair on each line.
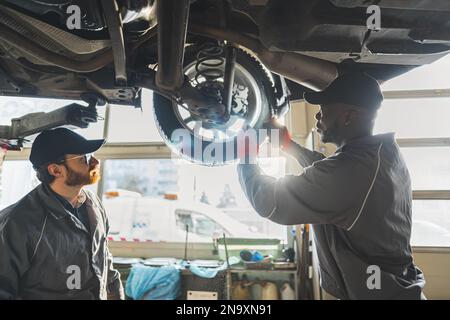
308, 71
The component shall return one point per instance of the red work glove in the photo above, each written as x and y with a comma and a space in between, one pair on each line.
284, 135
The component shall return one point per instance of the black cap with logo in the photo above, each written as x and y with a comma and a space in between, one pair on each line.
356, 89
50, 145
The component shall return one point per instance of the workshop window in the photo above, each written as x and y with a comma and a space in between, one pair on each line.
415, 118
16, 107
155, 199
431, 223
417, 109
429, 167
128, 124
431, 76
17, 178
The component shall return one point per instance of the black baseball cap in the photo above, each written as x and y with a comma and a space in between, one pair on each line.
50, 145
356, 89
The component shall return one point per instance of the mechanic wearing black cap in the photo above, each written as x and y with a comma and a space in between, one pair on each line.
53, 242
358, 200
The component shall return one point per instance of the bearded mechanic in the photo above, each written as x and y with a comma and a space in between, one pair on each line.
358, 200
53, 242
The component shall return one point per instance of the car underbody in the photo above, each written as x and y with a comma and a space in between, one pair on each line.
123, 46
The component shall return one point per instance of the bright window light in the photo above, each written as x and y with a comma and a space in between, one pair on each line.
17, 178
429, 167
415, 118
129, 124
155, 200
430, 76
431, 223
14, 107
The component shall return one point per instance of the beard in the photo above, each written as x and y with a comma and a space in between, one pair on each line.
329, 135
75, 178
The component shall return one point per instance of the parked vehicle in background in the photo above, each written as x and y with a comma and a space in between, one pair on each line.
134, 217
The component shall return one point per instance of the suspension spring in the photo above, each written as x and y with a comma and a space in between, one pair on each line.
209, 69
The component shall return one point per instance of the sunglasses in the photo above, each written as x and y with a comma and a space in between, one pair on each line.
87, 158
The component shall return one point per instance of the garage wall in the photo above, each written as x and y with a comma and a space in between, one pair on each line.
435, 264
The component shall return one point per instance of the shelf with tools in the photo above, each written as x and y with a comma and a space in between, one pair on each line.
256, 284
267, 271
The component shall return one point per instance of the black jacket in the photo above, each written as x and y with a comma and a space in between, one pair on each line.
47, 253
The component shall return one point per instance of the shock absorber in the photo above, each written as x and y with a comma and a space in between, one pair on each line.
228, 80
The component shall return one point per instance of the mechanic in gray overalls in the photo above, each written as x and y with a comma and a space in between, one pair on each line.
358, 200
53, 242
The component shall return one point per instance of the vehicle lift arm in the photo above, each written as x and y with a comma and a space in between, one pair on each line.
12, 136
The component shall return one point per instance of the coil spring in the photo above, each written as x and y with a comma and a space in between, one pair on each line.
209, 65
